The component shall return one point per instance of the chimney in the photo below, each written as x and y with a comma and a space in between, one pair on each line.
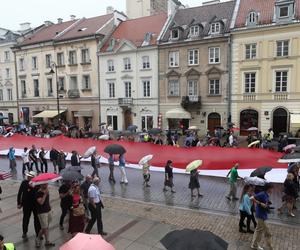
59, 20
47, 23
24, 26
109, 10
210, 2
72, 17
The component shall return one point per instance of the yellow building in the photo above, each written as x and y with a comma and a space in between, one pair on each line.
265, 65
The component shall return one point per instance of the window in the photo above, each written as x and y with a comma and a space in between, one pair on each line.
86, 83
146, 88
110, 66
214, 55
60, 59
34, 62
21, 64
250, 79
1, 95
48, 61
128, 89
23, 88
284, 11
252, 18
72, 57
7, 73
36, 87
281, 81
174, 34
283, 48
193, 57
112, 120
194, 31
111, 90
85, 56
73, 83
6, 55
9, 94
61, 83
173, 87
127, 64
147, 122
192, 88
250, 50
174, 59
215, 28
146, 62
214, 87
50, 87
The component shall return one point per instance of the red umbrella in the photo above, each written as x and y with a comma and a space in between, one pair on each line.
86, 242
235, 129
45, 178
5, 175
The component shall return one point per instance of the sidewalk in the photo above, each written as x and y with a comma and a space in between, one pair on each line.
138, 225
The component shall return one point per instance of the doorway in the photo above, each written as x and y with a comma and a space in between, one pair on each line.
213, 120
280, 121
127, 118
248, 119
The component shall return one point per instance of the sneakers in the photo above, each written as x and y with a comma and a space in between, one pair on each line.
256, 247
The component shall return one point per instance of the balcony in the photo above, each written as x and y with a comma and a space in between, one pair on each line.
73, 93
249, 97
191, 102
280, 96
125, 102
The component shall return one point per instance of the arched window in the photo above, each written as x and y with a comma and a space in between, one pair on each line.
252, 18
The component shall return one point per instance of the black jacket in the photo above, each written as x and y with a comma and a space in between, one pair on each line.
53, 155
26, 195
74, 160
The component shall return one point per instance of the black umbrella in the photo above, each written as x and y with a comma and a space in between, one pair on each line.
115, 149
193, 239
155, 131
132, 127
128, 133
260, 172
293, 157
219, 127
102, 123
70, 175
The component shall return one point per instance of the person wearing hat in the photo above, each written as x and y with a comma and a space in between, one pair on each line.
6, 246
169, 177
26, 201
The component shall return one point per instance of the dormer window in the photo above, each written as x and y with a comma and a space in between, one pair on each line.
215, 28
252, 18
174, 34
283, 11
194, 31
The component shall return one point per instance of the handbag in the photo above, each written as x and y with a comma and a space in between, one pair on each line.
78, 211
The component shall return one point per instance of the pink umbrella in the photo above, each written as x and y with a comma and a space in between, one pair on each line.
45, 178
289, 147
86, 242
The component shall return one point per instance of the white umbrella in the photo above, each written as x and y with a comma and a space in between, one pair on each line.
104, 137
253, 143
145, 159
255, 181
252, 129
89, 152
193, 128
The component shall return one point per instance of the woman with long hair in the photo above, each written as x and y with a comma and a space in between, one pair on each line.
245, 209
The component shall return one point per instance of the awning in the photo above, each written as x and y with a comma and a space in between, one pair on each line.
178, 113
48, 114
295, 118
84, 113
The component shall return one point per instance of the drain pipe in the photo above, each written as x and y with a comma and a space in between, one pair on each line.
229, 89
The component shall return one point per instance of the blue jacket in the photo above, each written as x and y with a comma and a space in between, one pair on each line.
261, 213
11, 154
246, 204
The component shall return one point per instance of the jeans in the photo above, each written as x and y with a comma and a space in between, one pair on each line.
26, 218
96, 215
25, 165
36, 166
243, 216
261, 229
64, 212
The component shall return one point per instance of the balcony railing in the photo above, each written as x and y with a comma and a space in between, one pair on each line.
249, 97
73, 93
192, 101
280, 96
125, 101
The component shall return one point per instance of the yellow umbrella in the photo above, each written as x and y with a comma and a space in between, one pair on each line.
253, 143
193, 165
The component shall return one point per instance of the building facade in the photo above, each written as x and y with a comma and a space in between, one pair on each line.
129, 74
194, 67
61, 61
265, 65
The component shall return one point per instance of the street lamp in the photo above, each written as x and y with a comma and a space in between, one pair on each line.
52, 71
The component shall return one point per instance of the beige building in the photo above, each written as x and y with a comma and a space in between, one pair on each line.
61, 60
265, 65
193, 67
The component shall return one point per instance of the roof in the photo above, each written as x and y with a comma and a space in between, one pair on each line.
204, 15
264, 8
86, 27
134, 31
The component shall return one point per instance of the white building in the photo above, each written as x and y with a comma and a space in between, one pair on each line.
129, 74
